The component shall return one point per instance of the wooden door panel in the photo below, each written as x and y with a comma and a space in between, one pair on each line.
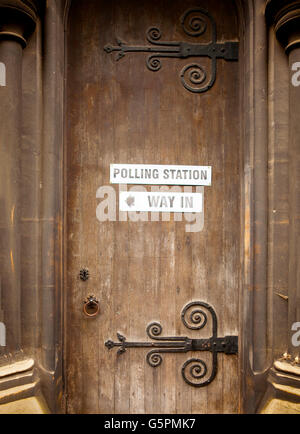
145, 271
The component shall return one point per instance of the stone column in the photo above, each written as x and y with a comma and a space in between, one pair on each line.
284, 16
17, 22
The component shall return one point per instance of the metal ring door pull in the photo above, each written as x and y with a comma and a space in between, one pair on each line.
91, 306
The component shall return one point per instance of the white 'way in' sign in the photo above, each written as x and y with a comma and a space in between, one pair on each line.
160, 201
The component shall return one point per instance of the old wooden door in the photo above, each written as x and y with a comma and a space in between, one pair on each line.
143, 269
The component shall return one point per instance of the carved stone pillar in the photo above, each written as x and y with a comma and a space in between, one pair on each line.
17, 22
284, 17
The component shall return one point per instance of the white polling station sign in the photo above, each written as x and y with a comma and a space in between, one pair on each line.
159, 174
160, 201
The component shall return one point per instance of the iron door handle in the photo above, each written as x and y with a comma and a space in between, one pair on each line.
91, 306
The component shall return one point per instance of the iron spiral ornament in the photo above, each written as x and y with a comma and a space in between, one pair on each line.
154, 330
195, 316
195, 22
193, 370
154, 359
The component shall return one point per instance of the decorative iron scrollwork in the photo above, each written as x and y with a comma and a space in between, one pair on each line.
194, 371
195, 23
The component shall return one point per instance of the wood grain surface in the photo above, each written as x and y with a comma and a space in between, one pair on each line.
144, 271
